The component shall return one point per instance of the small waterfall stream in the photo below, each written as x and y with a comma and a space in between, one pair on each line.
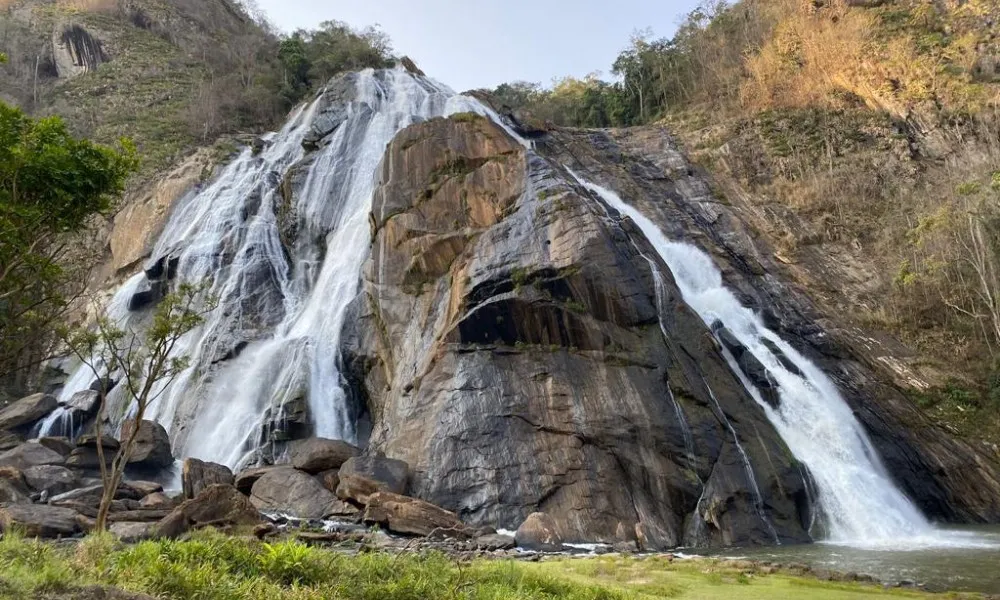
275, 334
858, 501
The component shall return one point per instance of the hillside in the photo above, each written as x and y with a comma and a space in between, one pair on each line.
860, 141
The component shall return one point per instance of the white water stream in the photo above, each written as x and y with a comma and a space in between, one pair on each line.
285, 306
859, 503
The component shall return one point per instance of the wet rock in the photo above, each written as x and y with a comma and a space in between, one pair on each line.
217, 504
142, 299
362, 476
61, 445
51, 479
410, 66
131, 532
317, 454
197, 475
292, 421
494, 541
151, 449
406, 515
26, 411
538, 532
30, 454
291, 491
39, 520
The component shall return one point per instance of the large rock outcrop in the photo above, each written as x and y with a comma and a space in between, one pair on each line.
517, 352
949, 478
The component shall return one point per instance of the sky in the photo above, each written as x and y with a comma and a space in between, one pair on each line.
482, 43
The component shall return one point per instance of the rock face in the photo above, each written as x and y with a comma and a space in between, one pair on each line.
197, 475
518, 351
30, 454
317, 454
949, 479
27, 411
52, 479
291, 491
152, 446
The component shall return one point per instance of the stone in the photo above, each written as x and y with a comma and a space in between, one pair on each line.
158, 500
87, 457
26, 411
364, 475
402, 514
91, 495
197, 475
151, 449
538, 532
494, 541
90, 440
217, 504
39, 520
131, 531
85, 403
9, 440
61, 445
51, 479
315, 455
248, 477
293, 492
339, 510
14, 492
330, 479
30, 454
145, 487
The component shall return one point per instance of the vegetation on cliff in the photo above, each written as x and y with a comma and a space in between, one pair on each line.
210, 565
861, 137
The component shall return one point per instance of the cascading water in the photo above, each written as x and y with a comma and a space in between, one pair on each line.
858, 501
275, 333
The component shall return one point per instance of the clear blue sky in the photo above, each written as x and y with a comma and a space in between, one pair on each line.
481, 43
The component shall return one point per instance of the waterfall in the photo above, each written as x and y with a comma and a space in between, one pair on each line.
275, 334
858, 501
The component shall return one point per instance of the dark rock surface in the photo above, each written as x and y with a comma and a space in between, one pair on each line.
39, 520
291, 491
317, 454
151, 449
26, 411
197, 475
217, 504
361, 477
539, 532
30, 454
402, 514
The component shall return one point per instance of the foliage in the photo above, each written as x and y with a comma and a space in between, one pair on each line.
51, 185
211, 565
143, 363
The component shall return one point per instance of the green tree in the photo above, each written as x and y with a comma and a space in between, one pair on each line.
144, 363
51, 185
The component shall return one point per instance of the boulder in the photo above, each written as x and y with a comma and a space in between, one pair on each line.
152, 445
14, 492
538, 532
30, 454
51, 479
494, 541
26, 411
403, 514
217, 504
317, 454
87, 457
85, 403
91, 495
158, 500
132, 531
61, 445
39, 520
90, 441
330, 479
198, 475
342, 511
248, 477
9, 440
362, 476
293, 492
145, 487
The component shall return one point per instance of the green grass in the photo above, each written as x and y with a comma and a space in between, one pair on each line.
212, 565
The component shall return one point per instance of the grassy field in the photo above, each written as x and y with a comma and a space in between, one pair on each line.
211, 565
